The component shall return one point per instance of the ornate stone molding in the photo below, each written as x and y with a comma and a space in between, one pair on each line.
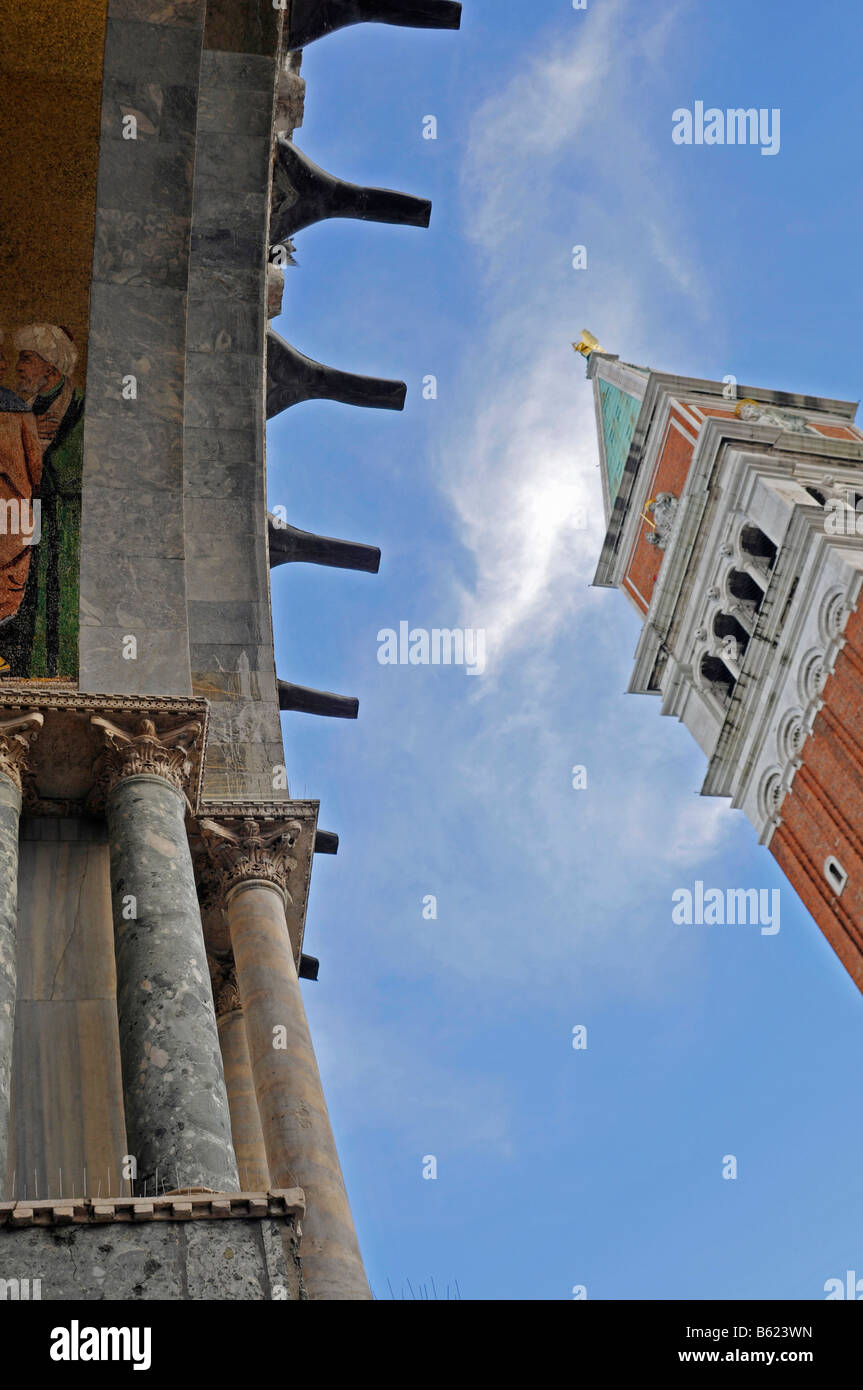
762, 413
286, 1202
51, 694
17, 732
144, 750
241, 850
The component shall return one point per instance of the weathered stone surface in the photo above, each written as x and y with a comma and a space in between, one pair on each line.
177, 12
231, 1259
138, 521
10, 807
231, 623
138, 328
177, 1116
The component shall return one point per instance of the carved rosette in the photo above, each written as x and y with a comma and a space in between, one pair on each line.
141, 750
226, 992
243, 851
17, 732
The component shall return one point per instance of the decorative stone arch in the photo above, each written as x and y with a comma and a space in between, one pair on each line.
754, 546
771, 794
790, 736
743, 588
726, 627
811, 675
716, 678
832, 615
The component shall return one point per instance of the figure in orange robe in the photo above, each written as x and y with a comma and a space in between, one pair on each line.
20, 473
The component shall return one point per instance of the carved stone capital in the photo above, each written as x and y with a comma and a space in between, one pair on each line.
140, 749
17, 732
226, 992
244, 850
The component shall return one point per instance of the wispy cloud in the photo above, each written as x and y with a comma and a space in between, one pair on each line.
520, 470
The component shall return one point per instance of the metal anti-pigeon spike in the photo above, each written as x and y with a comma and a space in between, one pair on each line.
292, 378
312, 19
302, 700
288, 544
309, 194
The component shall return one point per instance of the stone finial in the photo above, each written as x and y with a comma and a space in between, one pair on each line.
243, 850
144, 750
17, 732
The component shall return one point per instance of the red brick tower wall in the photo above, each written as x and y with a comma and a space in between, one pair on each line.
823, 812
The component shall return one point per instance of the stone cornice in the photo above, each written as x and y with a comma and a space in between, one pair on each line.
259, 810
50, 695
82, 718
288, 1202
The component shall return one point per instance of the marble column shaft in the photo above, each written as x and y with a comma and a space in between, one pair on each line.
300, 1146
177, 1116
10, 809
246, 1129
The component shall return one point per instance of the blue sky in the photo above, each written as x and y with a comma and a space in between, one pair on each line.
453, 1037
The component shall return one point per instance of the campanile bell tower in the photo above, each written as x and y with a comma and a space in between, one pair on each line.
731, 515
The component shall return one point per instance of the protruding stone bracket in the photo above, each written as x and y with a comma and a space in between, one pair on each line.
140, 749
289, 545
304, 194
292, 377
313, 19
17, 732
303, 700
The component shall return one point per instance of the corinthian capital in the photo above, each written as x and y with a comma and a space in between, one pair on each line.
226, 992
142, 749
244, 850
17, 732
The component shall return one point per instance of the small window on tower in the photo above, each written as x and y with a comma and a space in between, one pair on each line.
836, 876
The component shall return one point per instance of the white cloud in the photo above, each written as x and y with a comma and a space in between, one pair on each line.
520, 468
